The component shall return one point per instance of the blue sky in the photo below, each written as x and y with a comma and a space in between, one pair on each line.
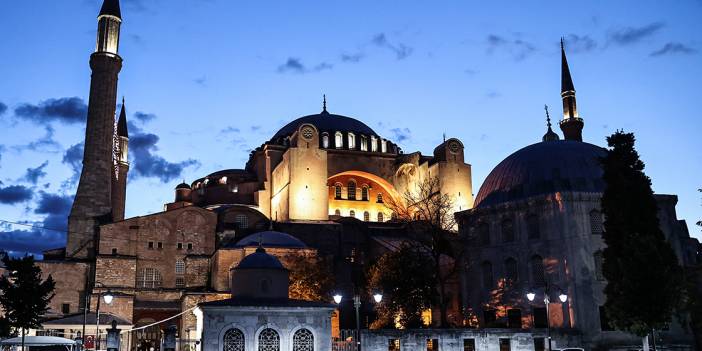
207, 80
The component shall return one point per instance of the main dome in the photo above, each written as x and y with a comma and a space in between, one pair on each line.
543, 168
326, 122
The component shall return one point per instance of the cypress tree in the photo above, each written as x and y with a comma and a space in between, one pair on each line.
645, 283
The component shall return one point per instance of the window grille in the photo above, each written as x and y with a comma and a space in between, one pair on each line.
380, 217
351, 190
596, 222
337, 191
364, 193
599, 260
180, 282
303, 340
366, 216
380, 197
149, 278
268, 340
180, 267
233, 340
242, 222
538, 275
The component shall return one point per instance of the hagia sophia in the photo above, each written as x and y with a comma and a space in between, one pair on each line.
318, 189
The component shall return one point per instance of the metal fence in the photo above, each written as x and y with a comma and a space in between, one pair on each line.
346, 341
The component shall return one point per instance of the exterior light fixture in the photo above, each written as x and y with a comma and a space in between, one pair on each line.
108, 297
563, 297
337, 298
531, 296
378, 297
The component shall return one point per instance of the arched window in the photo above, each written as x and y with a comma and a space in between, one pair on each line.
507, 231
351, 190
242, 222
364, 192
538, 276
511, 270
380, 198
352, 141
180, 267
149, 278
268, 340
533, 226
599, 260
338, 140
374, 143
380, 217
337, 191
596, 222
337, 212
325, 140
352, 213
383, 145
223, 180
303, 340
366, 216
364, 143
233, 340
484, 234
487, 274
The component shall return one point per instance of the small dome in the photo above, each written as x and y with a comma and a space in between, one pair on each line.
326, 122
271, 238
182, 186
260, 260
544, 168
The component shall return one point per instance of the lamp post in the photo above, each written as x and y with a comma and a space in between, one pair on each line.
107, 296
563, 297
378, 297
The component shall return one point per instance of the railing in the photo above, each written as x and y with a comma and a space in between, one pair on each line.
346, 341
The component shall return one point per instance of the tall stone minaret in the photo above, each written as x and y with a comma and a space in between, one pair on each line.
92, 205
572, 124
119, 182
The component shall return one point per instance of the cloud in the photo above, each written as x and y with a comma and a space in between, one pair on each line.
32, 175
73, 157
15, 194
142, 147
674, 48
352, 58
2, 149
632, 35
43, 144
492, 94
579, 43
517, 48
3, 108
295, 65
144, 117
201, 81
401, 134
229, 130
65, 110
400, 50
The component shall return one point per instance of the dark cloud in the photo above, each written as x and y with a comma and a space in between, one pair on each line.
201, 81
352, 58
32, 175
15, 194
3, 108
145, 163
674, 48
579, 43
632, 35
65, 110
144, 117
400, 50
401, 134
517, 48
44, 144
230, 129
73, 157
295, 65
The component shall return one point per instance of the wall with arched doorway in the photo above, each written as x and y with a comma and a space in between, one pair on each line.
360, 195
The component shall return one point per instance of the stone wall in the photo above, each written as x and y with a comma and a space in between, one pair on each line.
116, 271
70, 278
450, 339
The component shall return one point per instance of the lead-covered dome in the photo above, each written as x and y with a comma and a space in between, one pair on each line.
260, 260
543, 168
326, 122
271, 238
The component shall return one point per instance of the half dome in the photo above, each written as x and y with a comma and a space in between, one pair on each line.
271, 238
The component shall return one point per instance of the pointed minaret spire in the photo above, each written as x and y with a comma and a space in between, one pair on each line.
550, 134
111, 8
572, 124
122, 122
324, 103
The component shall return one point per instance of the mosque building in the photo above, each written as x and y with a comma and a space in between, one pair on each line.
318, 189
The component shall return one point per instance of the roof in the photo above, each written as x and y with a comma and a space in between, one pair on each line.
183, 186
543, 168
39, 341
271, 238
111, 8
260, 260
265, 302
105, 319
326, 122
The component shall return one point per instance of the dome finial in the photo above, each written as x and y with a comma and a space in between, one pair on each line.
548, 118
260, 243
324, 102
550, 134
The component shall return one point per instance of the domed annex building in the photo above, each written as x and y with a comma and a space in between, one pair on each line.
536, 227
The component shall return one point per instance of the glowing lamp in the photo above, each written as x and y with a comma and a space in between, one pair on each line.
563, 297
378, 297
108, 297
531, 296
337, 298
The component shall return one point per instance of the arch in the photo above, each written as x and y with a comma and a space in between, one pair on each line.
337, 212
351, 189
380, 217
364, 192
366, 216
225, 329
303, 340
325, 140
268, 339
338, 140
233, 340
352, 141
337, 190
352, 213
387, 188
301, 326
511, 269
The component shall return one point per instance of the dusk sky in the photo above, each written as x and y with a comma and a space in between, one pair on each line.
206, 81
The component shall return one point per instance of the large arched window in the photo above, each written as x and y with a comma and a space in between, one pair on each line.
364, 192
374, 143
233, 340
352, 141
487, 274
507, 231
533, 226
268, 340
351, 190
303, 340
338, 140
149, 278
596, 222
380, 217
511, 270
337, 191
366, 216
538, 275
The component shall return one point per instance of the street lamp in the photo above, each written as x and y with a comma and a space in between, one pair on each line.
357, 305
107, 296
377, 297
563, 297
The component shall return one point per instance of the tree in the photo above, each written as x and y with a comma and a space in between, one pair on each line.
407, 282
311, 278
645, 284
429, 216
23, 295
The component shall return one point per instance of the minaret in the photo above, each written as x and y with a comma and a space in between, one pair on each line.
119, 182
572, 124
92, 205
